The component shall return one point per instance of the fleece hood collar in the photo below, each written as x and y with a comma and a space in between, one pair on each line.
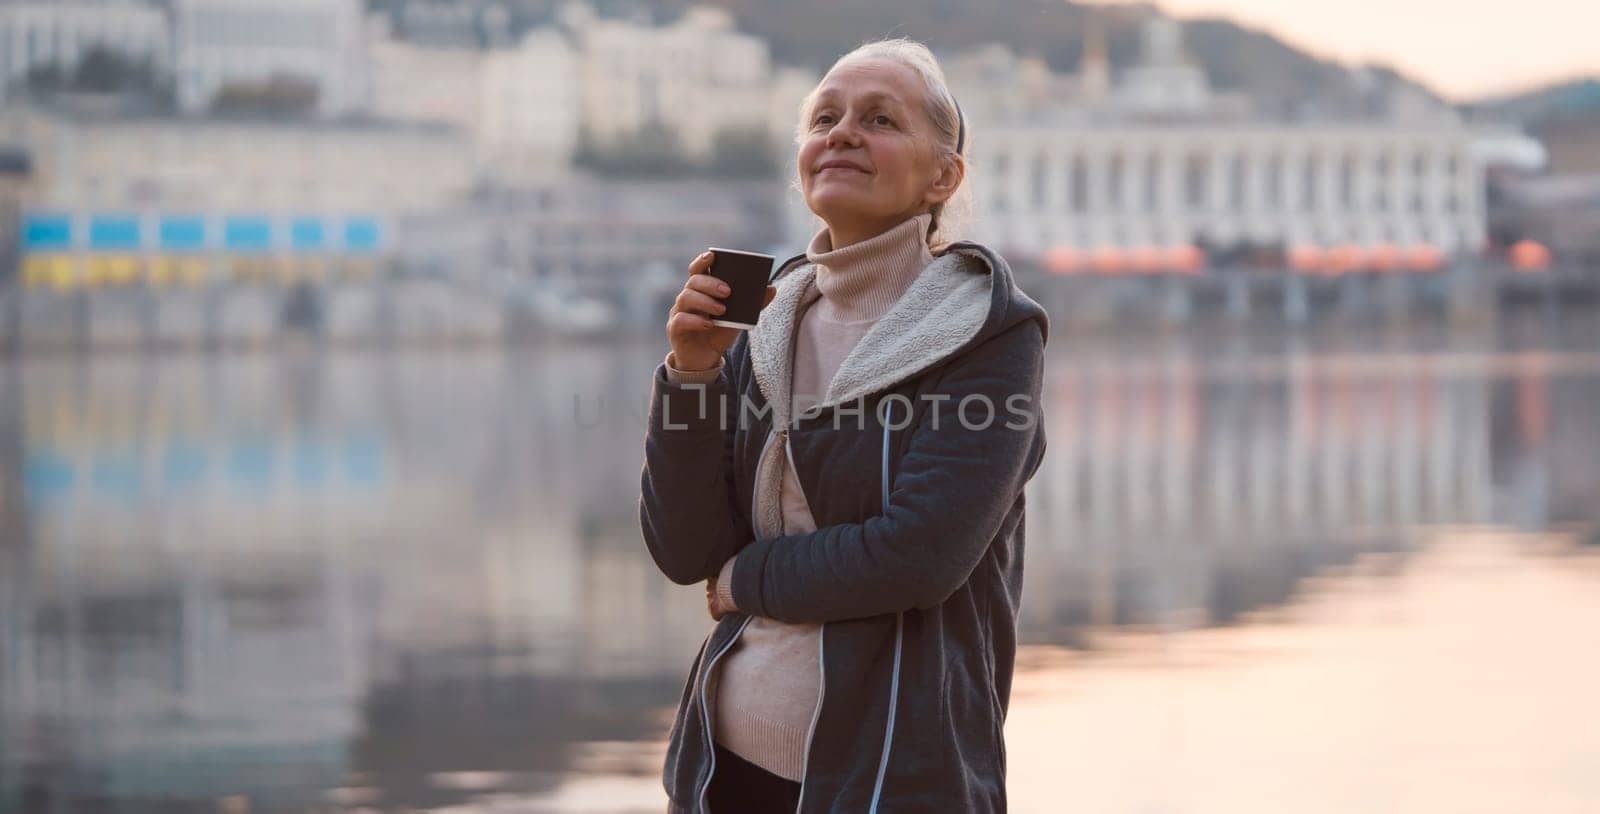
964, 295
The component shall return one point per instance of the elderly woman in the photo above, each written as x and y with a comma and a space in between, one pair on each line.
847, 479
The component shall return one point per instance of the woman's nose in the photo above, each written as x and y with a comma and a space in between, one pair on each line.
844, 132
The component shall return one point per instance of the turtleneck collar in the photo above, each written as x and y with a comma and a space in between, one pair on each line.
860, 282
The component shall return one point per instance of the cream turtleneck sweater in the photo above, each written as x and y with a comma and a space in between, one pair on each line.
766, 687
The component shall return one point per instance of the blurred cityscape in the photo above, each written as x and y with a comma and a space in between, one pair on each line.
201, 173
326, 330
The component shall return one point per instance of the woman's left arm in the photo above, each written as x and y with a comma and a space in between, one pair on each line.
950, 493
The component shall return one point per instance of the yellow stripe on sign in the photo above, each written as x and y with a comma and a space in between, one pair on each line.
64, 273
192, 271
124, 270
35, 271
160, 271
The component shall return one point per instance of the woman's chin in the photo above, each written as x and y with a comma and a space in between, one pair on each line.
840, 208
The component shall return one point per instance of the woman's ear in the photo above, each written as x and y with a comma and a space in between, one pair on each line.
952, 171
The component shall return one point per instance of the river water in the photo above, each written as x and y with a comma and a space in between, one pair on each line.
1351, 571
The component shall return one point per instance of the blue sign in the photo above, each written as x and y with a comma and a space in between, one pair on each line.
361, 235
183, 233
247, 234
46, 232
114, 232
306, 235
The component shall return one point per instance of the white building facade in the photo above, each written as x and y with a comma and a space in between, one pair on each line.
1089, 186
38, 34
696, 78
530, 105
156, 165
222, 42
425, 83
1157, 160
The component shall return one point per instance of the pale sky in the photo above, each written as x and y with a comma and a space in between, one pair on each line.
1460, 48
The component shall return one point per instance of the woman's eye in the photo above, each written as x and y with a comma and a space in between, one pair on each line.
822, 118
882, 120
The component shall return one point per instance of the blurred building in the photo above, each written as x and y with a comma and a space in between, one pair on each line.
58, 34
1093, 184
118, 200
424, 82
1561, 212
1574, 144
600, 236
100, 161
1164, 82
452, 24
247, 43
696, 79
529, 105
1156, 159
518, 102
16, 173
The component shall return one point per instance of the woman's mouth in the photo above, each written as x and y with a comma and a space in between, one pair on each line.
840, 166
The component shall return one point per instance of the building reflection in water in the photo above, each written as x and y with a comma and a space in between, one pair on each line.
1182, 491
406, 580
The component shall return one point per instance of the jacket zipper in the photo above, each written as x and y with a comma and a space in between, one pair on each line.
899, 639
705, 709
705, 673
822, 669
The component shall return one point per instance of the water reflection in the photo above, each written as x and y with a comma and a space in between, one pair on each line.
1459, 682
291, 582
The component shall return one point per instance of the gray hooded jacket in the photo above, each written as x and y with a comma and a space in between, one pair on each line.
913, 467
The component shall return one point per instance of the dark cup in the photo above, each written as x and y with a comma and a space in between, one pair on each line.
746, 274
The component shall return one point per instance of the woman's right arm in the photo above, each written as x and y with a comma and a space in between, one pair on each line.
687, 506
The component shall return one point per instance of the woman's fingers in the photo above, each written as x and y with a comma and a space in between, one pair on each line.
684, 322
701, 264
709, 285
699, 302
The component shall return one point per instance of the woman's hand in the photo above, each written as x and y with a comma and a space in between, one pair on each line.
696, 343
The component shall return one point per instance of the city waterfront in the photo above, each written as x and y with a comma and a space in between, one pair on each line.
1331, 570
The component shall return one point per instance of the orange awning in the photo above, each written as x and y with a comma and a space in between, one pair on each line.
1063, 260
1109, 260
1423, 257
1305, 258
1529, 255
1186, 259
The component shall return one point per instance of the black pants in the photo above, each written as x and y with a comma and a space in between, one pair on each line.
741, 787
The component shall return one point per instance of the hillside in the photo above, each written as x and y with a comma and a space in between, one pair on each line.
1279, 77
1570, 100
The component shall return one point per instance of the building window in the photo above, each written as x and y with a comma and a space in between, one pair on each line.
1152, 182
1347, 181
1080, 184
1381, 169
1194, 181
1041, 181
1308, 184
1419, 181
1272, 196
1236, 182
1115, 171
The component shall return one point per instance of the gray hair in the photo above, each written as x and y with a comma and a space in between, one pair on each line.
940, 107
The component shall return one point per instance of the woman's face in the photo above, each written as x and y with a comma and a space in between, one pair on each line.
867, 156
